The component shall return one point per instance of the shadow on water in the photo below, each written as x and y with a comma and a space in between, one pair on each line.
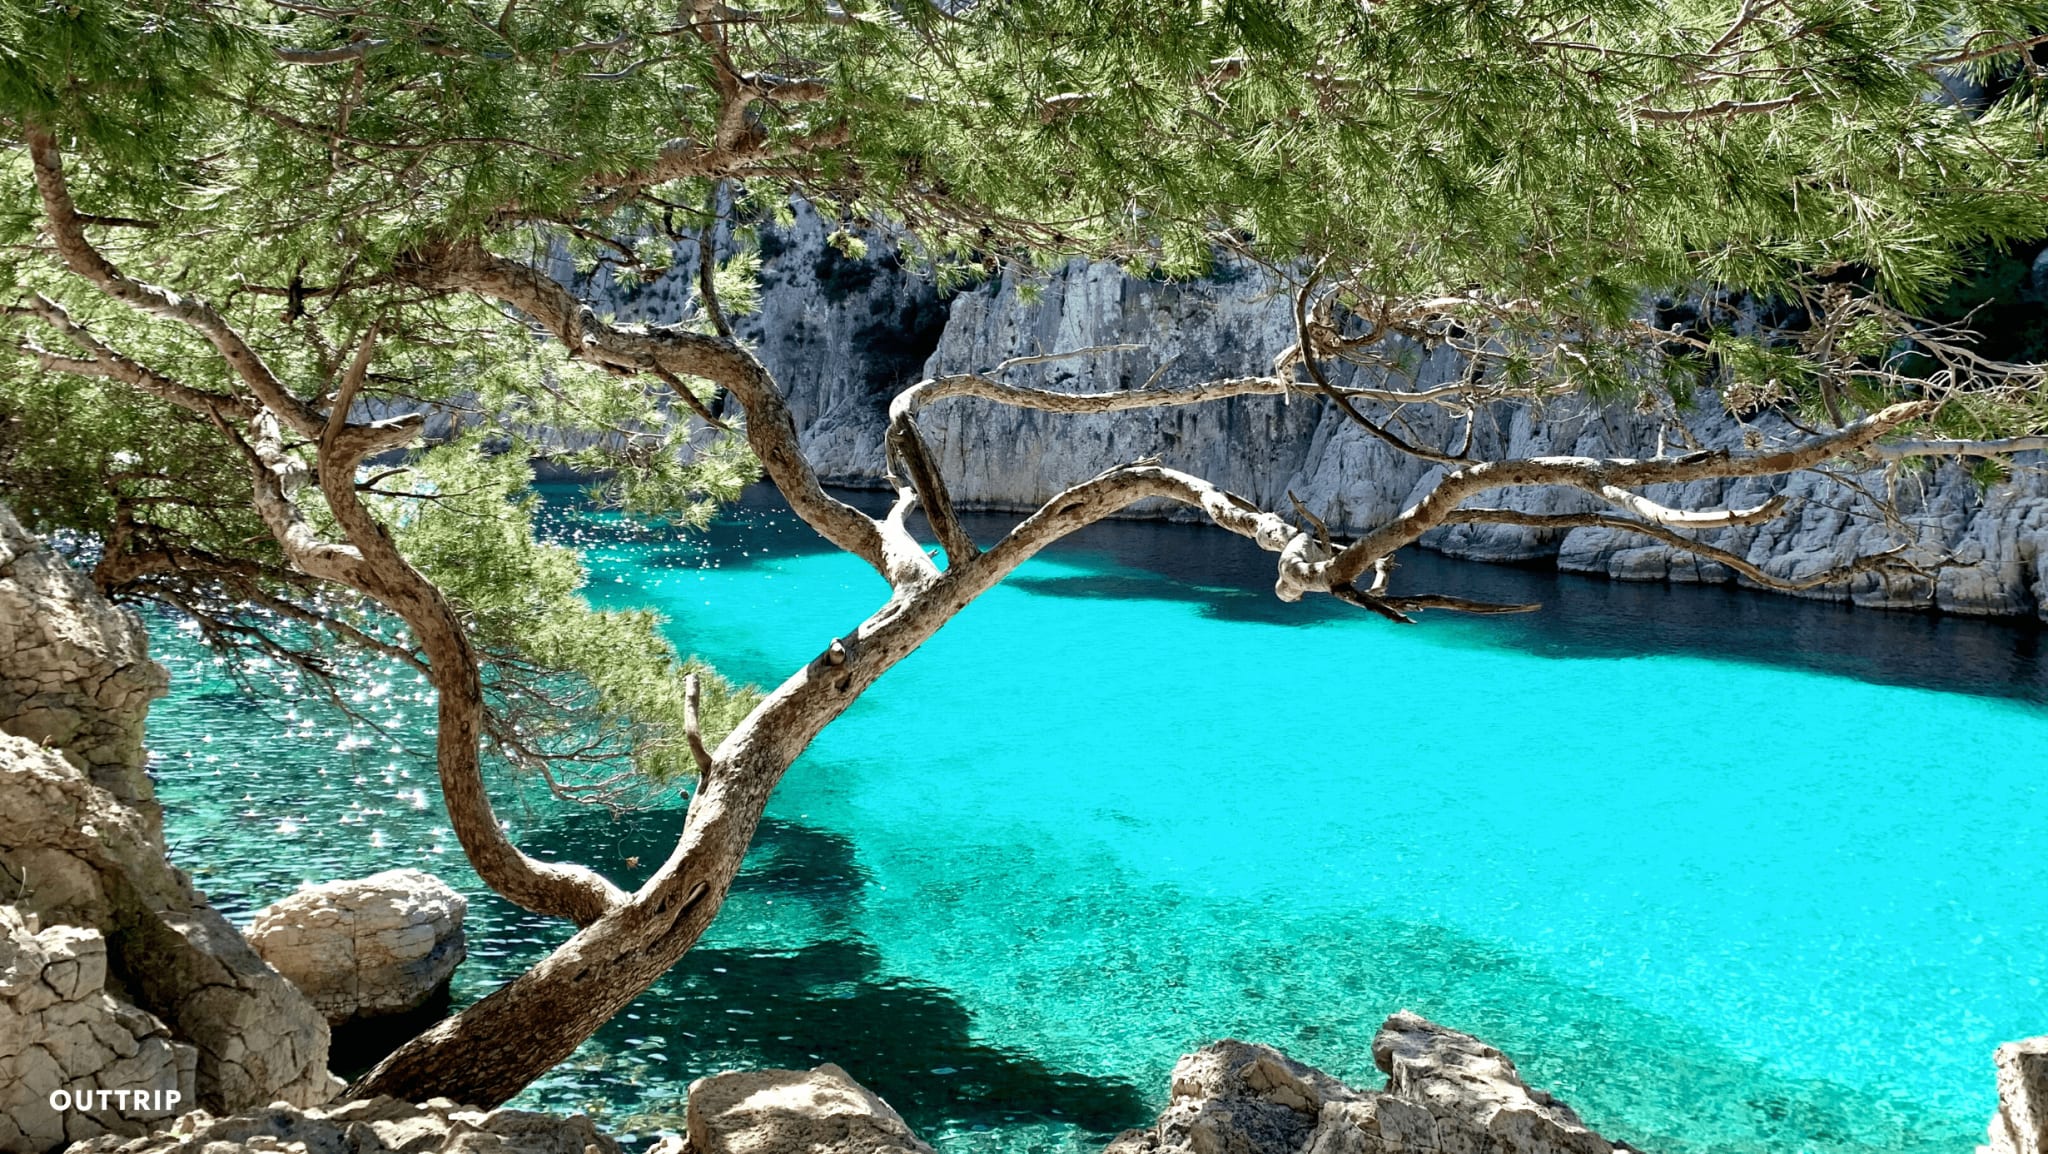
786, 859
1216, 603
832, 1000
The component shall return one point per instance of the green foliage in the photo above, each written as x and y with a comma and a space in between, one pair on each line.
293, 165
669, 489
738, 283
473, 537
83, 454
1990, 471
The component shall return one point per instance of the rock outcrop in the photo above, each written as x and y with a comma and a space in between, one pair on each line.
78, 857
75, 672
817, 1111
82, 849
75, 1037
368, 947
1446, 1093
370, 1126
2021, 1124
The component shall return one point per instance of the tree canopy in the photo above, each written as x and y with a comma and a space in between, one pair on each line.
283, 323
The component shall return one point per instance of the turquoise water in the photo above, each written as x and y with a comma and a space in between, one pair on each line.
1724, 871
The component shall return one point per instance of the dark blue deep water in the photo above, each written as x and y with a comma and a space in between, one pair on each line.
1726, 871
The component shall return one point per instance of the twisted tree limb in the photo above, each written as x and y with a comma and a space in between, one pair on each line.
368, 563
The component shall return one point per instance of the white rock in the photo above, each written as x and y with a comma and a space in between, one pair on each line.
60, 1029
365, 947
2021, 1124
817, 1111
75, 671
79, 824
1445, 1091
372, 1126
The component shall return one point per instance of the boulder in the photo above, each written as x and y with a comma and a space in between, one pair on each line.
2021, 1124
367, 947
61, 1030
370, 1126
818, 1111
1446, 1092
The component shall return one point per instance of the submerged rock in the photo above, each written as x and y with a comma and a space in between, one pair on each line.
2021, 1124
817, 1111
370, 1126
1445, 1091
60, 1030
367, 947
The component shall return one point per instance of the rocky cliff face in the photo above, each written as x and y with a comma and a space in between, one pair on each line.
74, 673
133, 954
841, 336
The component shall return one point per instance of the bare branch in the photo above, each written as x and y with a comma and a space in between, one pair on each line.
707, 262
1598, 473
68, 234
355, 49
1900, 450
1688, 519
1973, 51
109, 363
692, 726
906, 446
771, 429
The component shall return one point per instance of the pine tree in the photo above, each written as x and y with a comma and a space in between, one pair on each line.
251, 246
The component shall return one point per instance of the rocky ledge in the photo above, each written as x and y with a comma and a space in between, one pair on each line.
118, 973
1445, 1093
370, 1126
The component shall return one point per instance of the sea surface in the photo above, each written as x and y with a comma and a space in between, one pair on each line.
1726, 871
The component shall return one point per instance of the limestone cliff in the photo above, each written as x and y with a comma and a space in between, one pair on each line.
841, 336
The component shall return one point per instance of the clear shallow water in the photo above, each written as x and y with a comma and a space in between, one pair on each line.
1725, 871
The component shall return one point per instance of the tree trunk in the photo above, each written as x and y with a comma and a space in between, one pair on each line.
493, 1049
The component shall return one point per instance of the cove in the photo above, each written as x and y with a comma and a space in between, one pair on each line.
1723, 870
